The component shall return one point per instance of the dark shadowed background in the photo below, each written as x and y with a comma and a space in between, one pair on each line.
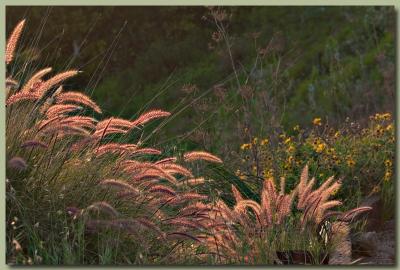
292, 63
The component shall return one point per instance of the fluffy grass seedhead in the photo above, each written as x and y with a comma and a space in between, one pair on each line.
71, 166
13, 41
264, 226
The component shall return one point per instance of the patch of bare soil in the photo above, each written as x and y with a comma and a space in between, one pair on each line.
376, 247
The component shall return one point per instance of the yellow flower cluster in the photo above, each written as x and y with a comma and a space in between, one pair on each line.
388, 170
330, 151
379, 130
254, 141
268, 173
383, 116
318, 145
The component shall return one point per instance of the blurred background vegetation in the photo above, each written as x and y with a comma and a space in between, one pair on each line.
228, 74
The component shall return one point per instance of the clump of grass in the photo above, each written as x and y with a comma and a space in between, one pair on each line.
255, 233
71, 180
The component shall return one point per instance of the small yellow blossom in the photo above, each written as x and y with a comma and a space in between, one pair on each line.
245, 146
376, 189
337, 134
264, 142
296, 128
379, 130
255, 140
268, 173
387, 116
388, 176
350, 162
383, 116
389, 127
240, 175
291, 149
320, 147
317, 121
388, 163
330, 151
288, 140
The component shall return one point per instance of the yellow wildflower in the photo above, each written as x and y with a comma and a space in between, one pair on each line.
350, 162
388, 163
291, 149
288, 140
264, 142
376, 189
240, 175
389, 127
383, 116
268, 173
320, 147
330, 151
245, 146
337, 134
255, 140
379, 130
296, 128
317, 121
387, 116
388, 175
